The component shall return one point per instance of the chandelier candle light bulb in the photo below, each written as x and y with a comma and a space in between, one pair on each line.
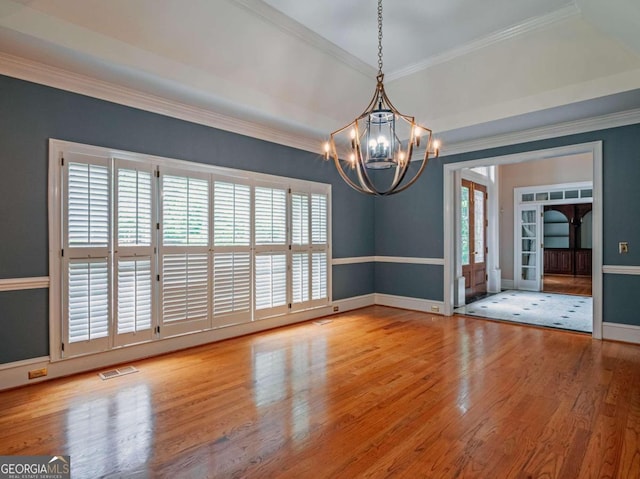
388, 140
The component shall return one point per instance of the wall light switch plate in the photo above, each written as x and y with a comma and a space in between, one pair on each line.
623, 247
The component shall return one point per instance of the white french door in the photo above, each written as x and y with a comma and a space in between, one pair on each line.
528, 248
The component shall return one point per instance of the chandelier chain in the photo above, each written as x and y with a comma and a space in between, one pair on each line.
379, 37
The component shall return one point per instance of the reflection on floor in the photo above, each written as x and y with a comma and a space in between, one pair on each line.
558, 283
541, 309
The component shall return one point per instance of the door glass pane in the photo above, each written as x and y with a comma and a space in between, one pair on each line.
464, 227
556, 195
542, 196
478, 211
529, 238
570, 194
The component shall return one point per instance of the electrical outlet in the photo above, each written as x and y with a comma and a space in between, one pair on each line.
37, 373
336, 309
623, 247
435, 309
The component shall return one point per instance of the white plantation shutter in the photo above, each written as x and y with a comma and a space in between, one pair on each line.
270, 216
185, 285
134, 295
231, 283
271, 282
134, 263
319, 248
319, 219
300, 277
299, 219
88, 303
185, 211
318, 276
152, 248
231, 214
87, 205
270, 230
86, 254
184, 253
232, 253
134, 211
309, 250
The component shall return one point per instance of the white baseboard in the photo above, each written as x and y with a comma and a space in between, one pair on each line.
621, 332
16, 374
415, 304
506, 283
356, 302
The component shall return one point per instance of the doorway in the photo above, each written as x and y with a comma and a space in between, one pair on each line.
452, 193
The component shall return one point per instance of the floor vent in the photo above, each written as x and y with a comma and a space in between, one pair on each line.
321, 322
114, 373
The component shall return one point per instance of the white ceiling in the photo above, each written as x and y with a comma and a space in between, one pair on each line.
414, 30
296, 70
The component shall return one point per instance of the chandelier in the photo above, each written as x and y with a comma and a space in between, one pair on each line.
373, 152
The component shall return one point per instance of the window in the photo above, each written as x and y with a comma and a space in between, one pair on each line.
153, 248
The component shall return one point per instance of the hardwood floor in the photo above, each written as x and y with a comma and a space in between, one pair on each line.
562, 284
378, 392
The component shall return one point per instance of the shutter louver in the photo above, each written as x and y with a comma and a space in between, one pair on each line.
271, 280
231, 283
184, 287
134, 207
88, 300
134, 295
88, 205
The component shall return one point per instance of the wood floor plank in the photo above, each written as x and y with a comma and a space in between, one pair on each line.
377, 392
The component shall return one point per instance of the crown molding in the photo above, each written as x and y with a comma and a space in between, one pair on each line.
57, 78
603, 122
527, 26
36, 72
296, 29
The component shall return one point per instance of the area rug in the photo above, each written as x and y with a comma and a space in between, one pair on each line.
542, 309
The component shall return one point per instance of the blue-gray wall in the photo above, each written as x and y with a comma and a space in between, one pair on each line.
30, 114
411, 223
408, 224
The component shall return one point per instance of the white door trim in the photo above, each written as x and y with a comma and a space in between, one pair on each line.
594, 148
